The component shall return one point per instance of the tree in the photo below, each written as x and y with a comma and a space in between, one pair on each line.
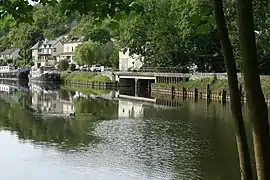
255, 98
100, 35
63, 65
236, 107
51, 20
24, 36
83, 27
89, 53
3, 62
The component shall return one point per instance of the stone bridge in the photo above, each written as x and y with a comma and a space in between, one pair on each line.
139, 79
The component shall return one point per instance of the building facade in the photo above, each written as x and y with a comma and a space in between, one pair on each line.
127, 62
44, 51
10, 54
69, 49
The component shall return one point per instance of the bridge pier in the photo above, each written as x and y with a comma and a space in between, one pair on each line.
136, 86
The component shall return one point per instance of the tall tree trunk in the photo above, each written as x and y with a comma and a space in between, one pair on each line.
255, 99
236, 108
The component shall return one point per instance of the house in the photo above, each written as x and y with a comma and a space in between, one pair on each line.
10, 54
47, 52
69, 47
127, 61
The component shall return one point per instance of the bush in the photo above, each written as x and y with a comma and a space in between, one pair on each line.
3, 63
9, 61
63, 65
72, 67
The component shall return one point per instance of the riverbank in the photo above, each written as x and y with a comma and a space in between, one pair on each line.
209, 88
88, 79
85, 90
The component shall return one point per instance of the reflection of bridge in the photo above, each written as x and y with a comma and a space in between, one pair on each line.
132, 107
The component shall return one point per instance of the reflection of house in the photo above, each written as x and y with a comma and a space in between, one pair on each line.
69, 49
10, 54
47, 51
129, 109
51, 103
4, 88
126, 61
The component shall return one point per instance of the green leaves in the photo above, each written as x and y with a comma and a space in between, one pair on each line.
195, 19
90, 52
203, 29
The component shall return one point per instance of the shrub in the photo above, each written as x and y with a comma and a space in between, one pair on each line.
3, 63
72, 67
63, 65
9, 61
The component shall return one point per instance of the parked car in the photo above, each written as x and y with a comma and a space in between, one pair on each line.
95, 68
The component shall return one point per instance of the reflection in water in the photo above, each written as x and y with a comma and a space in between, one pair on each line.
80, 136
140, 92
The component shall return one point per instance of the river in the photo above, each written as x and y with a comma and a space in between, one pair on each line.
66, 134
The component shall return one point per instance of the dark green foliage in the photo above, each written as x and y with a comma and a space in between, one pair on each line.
3, 62
114, 58
63, 65
99, 35
9, 61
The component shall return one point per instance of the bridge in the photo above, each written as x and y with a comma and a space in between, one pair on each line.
145, 76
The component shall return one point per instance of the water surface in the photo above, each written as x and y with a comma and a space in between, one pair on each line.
112, 138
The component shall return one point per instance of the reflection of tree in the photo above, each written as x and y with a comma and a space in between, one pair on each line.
202, 148
100, 108
65, 133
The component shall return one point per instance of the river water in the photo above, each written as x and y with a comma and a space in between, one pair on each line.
110, 138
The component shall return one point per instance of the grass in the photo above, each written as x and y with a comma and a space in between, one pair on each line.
200, 84
216, 85
86, 90
81, 76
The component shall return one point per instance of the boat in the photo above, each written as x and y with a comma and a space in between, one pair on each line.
14, 73
44, 74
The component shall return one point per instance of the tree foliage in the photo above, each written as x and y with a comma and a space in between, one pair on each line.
100, 35
24, 36
63, 65
90, 52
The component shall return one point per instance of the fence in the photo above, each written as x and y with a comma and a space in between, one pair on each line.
207, 93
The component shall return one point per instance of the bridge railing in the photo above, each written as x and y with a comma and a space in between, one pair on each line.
155, 70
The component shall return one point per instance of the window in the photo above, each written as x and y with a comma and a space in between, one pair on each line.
67, 49
39, 50
54, 49
72, 49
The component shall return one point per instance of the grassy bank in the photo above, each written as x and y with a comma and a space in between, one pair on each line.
216, 85
80, 76
85, 90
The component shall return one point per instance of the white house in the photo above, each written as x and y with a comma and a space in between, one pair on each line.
69, 49
127, 61
10, 54
46, 50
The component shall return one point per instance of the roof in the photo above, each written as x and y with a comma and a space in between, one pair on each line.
45, 42
37, 45
8, 51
